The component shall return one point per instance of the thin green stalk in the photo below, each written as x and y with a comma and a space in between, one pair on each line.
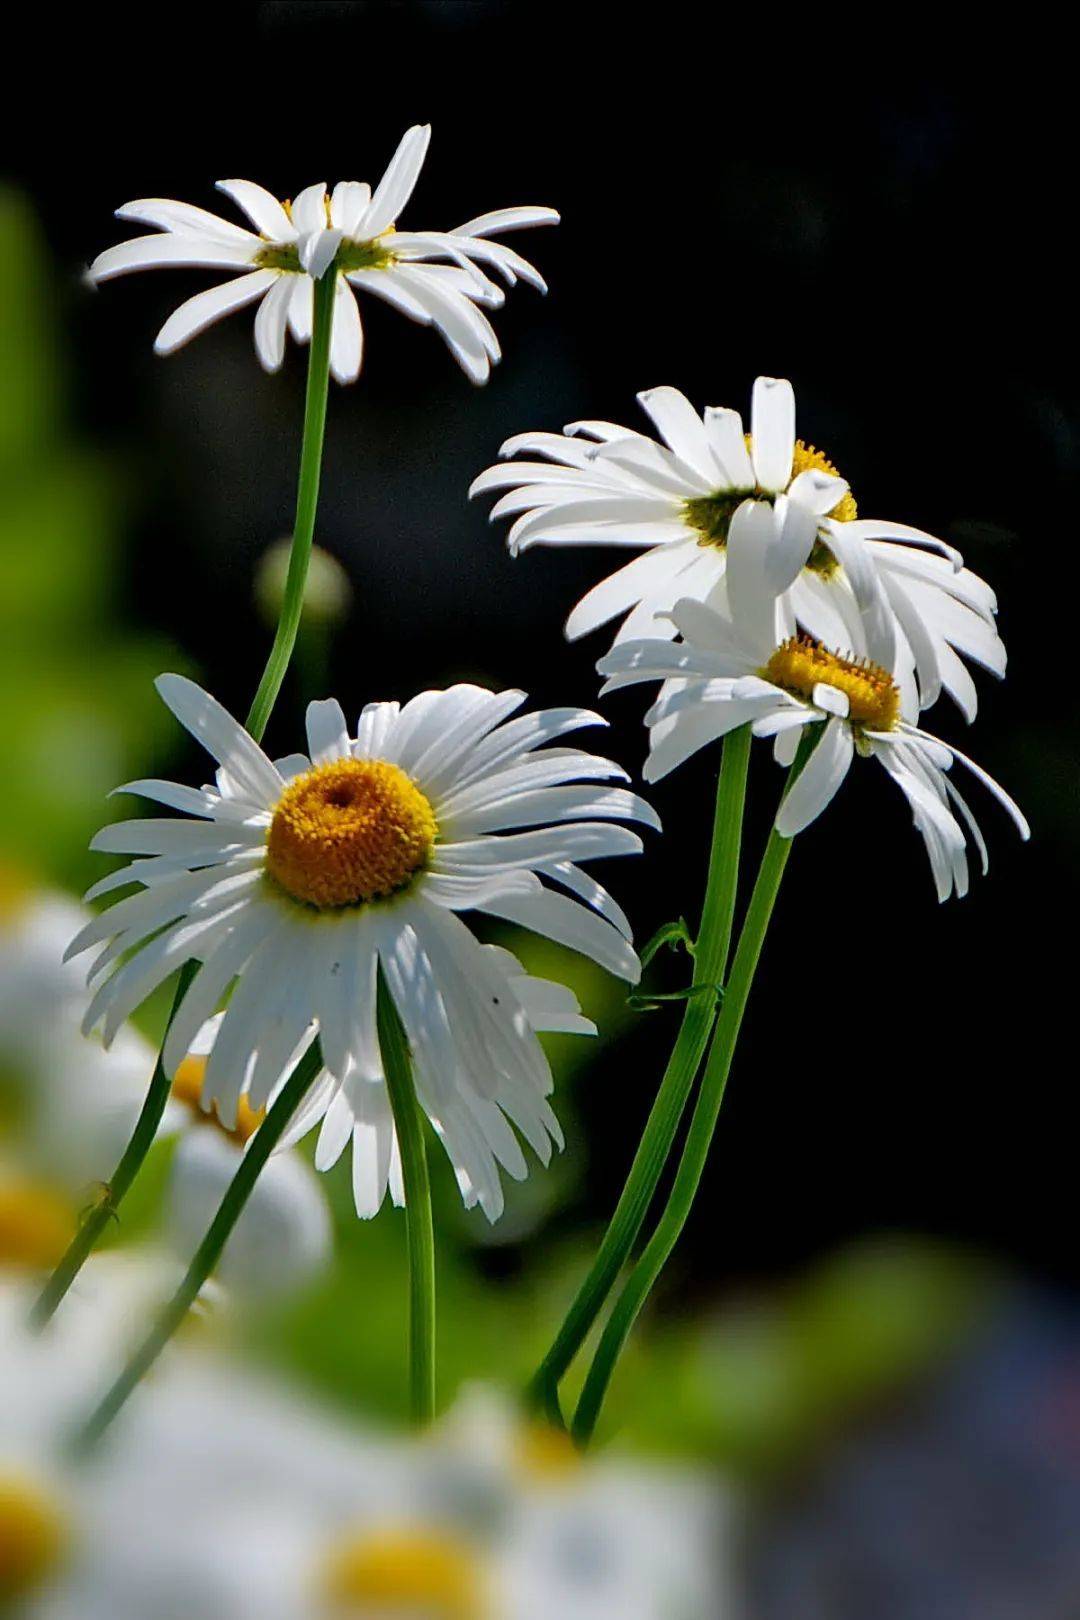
710, 963
307, 500
113, 1192
208, 1254
702, 1125
420, 1230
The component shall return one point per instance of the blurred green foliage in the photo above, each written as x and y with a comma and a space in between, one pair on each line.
77, 708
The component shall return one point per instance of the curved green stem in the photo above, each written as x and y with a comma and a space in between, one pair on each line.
420, 1230
307, 500
307, 496
208, 1253
710, 962
702, 1125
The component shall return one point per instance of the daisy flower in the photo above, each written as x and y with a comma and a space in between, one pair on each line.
299, 879
434, 277
736, 664
605, 485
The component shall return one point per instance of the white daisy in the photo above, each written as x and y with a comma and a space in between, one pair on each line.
302, 877
737, 665
351, 232
606, 485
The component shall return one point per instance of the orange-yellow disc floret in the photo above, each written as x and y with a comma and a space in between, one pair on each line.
350, 831
800, 663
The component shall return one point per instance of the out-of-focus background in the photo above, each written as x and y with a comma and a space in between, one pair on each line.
870, 1329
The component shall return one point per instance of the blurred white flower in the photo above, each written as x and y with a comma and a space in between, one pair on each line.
303, 878
223, 1497
37, 985
283, 1235
600, 484
350, 233
72, 1104
739, 666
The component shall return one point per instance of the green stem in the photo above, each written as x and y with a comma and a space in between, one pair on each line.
699, 1015
307, 500
420, 1231
208, 1253
702, 1125
97, 1219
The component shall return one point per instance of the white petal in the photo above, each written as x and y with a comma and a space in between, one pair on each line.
206, 307
309, 210
772, 432
728, 441
347, 339
751, 538
818, 781
327, 732
183, 218
180, 252
681, 428
349, 200
506, 219
262, 208
396, 186
221, 736
270, 322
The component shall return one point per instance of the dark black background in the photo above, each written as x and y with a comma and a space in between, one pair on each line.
885, 219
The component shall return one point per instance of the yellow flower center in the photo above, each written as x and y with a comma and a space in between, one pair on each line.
800, 663
351, 831
36, 1225
32, 1537
711, 515
421, 1574
187, 1088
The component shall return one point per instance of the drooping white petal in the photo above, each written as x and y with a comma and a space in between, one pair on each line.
197, 313
818, 781
752, 535
271, 320
347, 337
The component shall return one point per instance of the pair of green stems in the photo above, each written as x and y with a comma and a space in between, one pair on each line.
699, 1018
713, 1007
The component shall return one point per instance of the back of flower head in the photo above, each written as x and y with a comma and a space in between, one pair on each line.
350, 234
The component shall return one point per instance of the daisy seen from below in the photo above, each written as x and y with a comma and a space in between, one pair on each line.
437, 278
737, 664
675, 500
299, 880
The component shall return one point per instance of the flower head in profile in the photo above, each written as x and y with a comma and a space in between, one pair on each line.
435, 277
296, 881
676, 500
740, 664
